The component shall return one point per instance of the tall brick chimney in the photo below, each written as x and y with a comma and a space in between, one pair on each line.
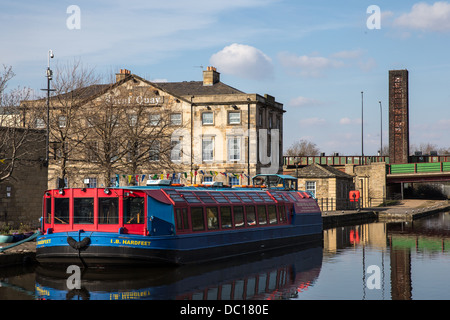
398, 116
122, 74
210, 76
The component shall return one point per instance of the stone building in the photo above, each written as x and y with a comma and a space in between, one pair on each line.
370, 181
191, 132
21, 190
329, 185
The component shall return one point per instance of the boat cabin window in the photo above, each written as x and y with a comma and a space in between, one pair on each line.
212, 217
83, 210
251, 217
108, 210
262, 215
62, 210
182, 218
272, 214
275, 181
133, 210
197, 219
48, 210
238, 216
290, 184
282, 210
225, 217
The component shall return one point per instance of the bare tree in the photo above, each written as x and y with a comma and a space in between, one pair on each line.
425, 148
302, 148
99, 130
128, 137
73, 84
385, 150
19, 142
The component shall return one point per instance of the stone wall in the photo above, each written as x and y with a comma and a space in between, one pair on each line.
370, 180
21, 194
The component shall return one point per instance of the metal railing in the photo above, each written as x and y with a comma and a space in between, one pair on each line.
425, 167
337, 204
332, 160
357, 160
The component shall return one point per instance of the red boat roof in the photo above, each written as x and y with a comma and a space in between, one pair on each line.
180, 196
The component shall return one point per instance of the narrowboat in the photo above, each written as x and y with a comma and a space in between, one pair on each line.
162, 223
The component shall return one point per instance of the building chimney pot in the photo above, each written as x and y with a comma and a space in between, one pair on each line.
123, 73
210, 76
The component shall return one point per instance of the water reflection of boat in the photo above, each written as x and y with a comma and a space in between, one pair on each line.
274, 275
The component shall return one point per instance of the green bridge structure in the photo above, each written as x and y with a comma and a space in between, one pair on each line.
419, 169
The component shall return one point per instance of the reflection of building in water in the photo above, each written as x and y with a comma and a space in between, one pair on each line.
401, 240
427, 236
401, 274
373, 234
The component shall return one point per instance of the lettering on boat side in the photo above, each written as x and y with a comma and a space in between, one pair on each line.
44, 241
130, 242
129, 295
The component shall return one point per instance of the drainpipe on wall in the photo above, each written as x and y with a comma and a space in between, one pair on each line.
248, 139
192, 135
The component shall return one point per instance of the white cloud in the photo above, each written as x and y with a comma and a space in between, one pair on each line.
304, 102
348, 54
435, 17
159, 80
313, 122
347, 121
244, 61
367, 65
445, 123
308, 66
315, 66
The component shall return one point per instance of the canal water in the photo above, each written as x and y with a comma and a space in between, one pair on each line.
374, 261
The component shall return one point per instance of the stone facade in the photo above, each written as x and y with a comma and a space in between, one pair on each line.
330, 186
212, 132
21, 193
370, 181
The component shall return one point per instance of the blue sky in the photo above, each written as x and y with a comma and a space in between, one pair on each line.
315, 57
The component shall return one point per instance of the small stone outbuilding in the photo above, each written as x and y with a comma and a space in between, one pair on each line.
329, 185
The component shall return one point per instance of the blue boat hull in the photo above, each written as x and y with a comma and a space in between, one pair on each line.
101, 248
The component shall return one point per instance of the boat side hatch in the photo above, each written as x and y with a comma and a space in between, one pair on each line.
159, 227
158, 195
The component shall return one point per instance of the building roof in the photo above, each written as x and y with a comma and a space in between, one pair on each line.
181, 90
197, 88
178, 89
85, 92
321, 171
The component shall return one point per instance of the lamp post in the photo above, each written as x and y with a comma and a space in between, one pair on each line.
381, 129
49, 75
362, 127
